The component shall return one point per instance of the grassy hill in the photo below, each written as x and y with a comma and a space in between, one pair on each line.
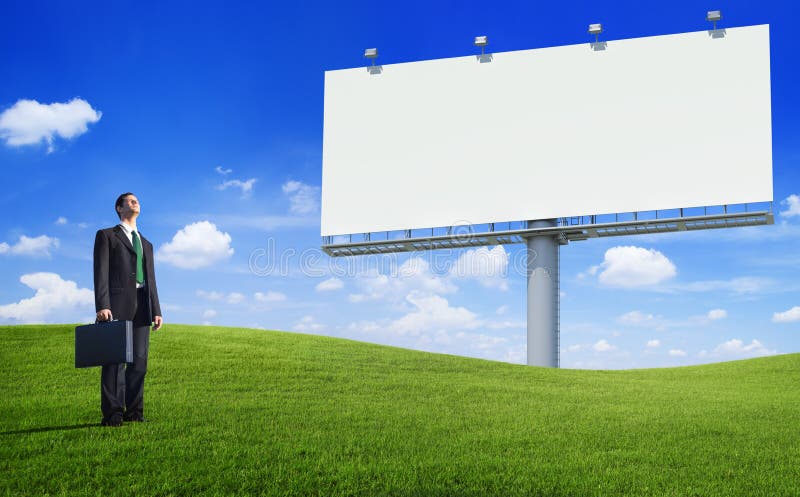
239, 411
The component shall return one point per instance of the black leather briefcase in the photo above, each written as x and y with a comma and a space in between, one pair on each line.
107, 342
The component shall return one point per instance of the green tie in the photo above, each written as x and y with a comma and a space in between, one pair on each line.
137, 247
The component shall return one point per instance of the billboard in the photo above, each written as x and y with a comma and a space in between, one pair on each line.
641, 124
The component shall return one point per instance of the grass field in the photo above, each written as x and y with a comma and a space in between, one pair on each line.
239, 411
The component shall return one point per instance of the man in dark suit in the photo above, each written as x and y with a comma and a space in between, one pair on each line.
125, 289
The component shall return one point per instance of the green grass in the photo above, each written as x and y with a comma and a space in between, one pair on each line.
238, 411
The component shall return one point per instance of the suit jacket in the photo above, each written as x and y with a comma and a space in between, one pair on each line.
115, 275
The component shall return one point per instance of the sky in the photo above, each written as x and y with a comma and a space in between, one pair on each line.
212, 114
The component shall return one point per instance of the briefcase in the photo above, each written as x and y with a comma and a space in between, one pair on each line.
101, 343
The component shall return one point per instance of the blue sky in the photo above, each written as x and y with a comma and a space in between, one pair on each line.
212, 114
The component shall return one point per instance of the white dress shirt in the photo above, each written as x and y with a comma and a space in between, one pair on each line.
128, 230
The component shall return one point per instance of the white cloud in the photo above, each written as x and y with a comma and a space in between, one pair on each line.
223, 172
637, 318
603, 346
592, 271
652, 344
504, 325
743, 285
659, 323
677, 353
213, 296
433, 324
209, 313
501, 310
364, 326
516, 355
737, 348
61, 220
792, 203
308, 324
303, 199
266, 223
196, 245
433, 313
28, 122
329, 285
235, 298
632, 267
414, 274
53, 296
575, 347
270, 296
437, 326
488, 266
210, 295
246, 186
789, 316
39, 246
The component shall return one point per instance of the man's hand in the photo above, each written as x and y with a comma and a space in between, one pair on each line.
104, 315
157, 322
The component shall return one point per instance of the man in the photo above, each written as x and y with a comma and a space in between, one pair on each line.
125, 289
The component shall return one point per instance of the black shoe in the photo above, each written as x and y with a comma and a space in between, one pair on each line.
112, 421
135, 418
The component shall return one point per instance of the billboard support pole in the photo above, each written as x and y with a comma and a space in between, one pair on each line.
543, 296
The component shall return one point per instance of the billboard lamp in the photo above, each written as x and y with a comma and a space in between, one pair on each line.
714, 16
595, 29
371, 53
481, 41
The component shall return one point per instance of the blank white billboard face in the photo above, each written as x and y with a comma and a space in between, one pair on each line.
643, 124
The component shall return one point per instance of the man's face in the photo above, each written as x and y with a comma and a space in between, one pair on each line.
130, 206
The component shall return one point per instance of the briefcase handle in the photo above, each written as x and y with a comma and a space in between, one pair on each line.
98, 321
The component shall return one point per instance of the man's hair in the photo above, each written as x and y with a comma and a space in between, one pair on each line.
119, 203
